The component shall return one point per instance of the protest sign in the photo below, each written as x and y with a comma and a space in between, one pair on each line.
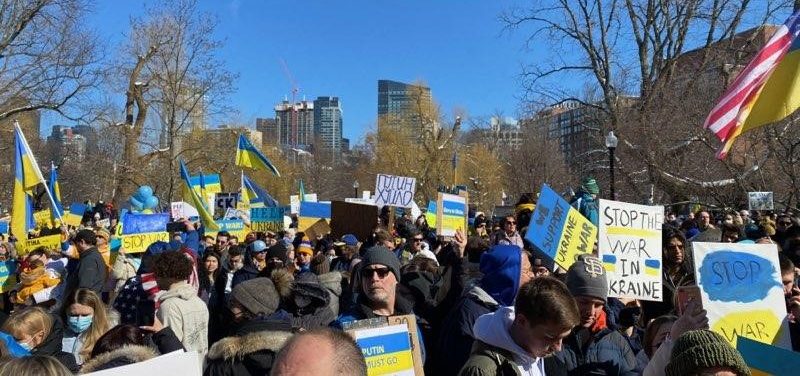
225, 201
395, 191
175, 363
234, 227
390, 345
430, 214
74, 216
760, 200
742, 291
42, 218
353, 218
137, 243
4, 228
244, 215
768, 360
294, 201
266, 219
310, 212
181, 209
8, 276
318, 230
630, 247
51, 242
144, 223
559, 230
451, 213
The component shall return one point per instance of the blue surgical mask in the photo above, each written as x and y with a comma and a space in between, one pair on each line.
27, 346
79, 324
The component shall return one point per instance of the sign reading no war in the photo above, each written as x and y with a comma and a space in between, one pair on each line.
558, 230
393, 190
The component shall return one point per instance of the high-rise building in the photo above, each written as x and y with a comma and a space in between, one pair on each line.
269, 131
295, 124
67, 144
503, 133
328, 124
406, 108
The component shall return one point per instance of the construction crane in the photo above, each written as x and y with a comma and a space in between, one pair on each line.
295, 90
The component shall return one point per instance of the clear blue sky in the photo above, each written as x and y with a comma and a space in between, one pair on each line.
342, 48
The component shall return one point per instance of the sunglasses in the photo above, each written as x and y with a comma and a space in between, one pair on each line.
368, 273
511, 223
417, 240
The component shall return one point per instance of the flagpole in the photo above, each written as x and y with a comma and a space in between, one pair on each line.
33, 159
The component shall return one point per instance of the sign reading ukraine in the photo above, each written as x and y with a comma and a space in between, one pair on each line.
387, 350
630, 247
559, 230
742, 292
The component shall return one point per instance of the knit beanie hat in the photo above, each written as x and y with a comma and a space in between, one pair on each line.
587, 277
305, 247
257, 295
380, 255
278, 251
590, 185
696, 350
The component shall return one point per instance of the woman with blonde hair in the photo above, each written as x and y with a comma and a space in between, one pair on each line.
39, 332
35, 365
85, 316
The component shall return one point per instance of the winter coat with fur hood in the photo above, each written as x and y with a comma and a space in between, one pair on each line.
251, 351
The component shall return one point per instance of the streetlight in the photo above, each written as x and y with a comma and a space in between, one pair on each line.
611, 144
355, 189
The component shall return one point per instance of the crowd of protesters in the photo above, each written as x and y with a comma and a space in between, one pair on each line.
486, 301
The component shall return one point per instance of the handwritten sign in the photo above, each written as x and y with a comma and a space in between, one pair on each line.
742, 291
391, 190
138, 243
235, 227
144, 223
51, 242
630, 247
224, 201
42, 218
760, 200
181, 209
559, 230
451, 214
390, 345
768, 360
266, 219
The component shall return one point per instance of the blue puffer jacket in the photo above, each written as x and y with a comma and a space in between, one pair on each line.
606, 353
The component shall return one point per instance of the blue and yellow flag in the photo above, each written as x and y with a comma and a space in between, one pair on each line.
302, 191
26, 177
57, 210
253, 194
249, 156
196, 201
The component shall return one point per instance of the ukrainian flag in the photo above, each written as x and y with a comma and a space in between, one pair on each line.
253, 194
610, 263
55, 191
26, 177
651, 267
196, 201
248, 155
302, 191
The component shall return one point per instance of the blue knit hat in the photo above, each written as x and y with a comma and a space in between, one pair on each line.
501, 266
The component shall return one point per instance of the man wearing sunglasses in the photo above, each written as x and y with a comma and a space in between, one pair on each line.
508, 234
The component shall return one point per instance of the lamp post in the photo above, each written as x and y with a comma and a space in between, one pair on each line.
611, 144
355, 189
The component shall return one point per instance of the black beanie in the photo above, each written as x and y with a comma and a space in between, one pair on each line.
587, 277
380, 255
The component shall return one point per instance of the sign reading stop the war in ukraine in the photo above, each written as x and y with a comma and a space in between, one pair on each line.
630, 247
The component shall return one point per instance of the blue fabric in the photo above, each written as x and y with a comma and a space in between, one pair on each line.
501, 267
13, 347
587, 206
606, 353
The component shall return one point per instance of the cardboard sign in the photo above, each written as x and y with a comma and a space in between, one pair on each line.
768, 360
559, 230
51, 242
318, 230
395, 191
144, 223
8, 276
225, 201
390, 345
266, 219
181, 209
742, 291
138, 243
353, 218
311, 212
630, 247
294, 201
235, 227
760, 200
451, 214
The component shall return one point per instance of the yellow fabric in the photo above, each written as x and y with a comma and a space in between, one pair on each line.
33, 281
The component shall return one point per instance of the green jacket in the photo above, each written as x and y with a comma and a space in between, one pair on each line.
488, 360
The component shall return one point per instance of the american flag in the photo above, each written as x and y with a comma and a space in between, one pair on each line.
732, 109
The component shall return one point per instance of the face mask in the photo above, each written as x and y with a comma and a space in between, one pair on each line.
27, 346
79, 324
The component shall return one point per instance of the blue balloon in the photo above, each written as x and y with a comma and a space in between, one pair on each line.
136, 204
151, 202
144, 192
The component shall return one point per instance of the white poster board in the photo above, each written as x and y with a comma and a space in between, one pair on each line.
760, 201
742, 291
397, 191
294, 201
630, 247
181, 209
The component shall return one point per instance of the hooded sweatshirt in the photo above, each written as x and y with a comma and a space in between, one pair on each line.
493, 329
186, 314
501, 272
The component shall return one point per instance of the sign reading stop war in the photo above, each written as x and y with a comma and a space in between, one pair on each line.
742, 292
393, 190
559, 230
630, 247
138, 243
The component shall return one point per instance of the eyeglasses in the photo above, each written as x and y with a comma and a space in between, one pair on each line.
417, 240
368, 273
511, 223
